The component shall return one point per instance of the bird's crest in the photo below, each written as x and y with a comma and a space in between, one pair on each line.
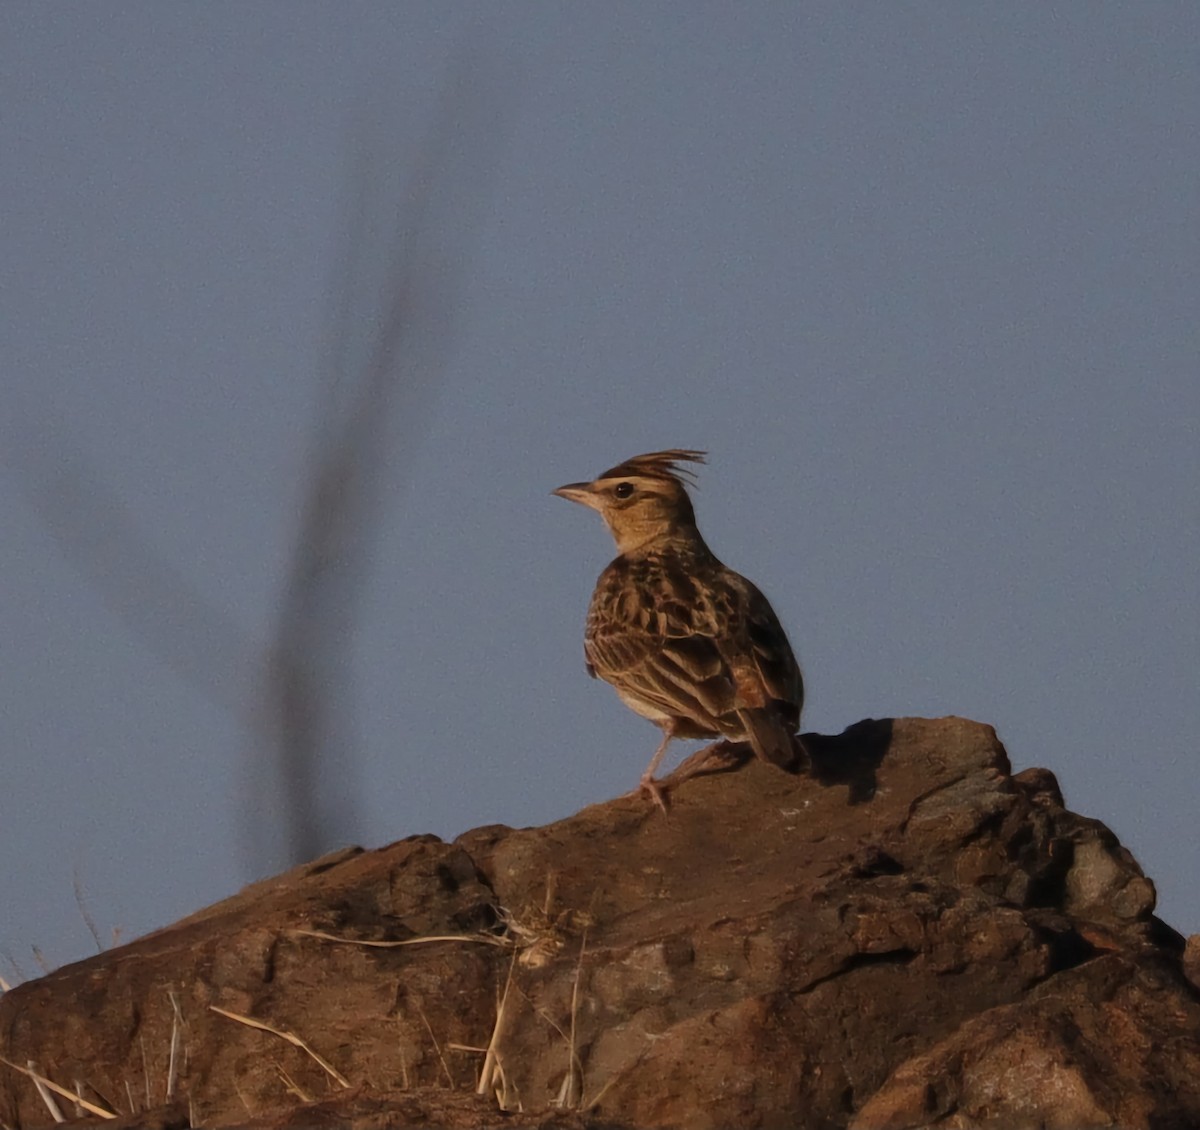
660, 465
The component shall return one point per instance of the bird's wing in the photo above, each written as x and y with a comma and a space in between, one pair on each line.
774, 665
766, 678
654, 645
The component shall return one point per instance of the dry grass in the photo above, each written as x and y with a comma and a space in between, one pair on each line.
48, 1098
145, 1071
491, 1075
90, 922
483, 939
533, 939
290, 1084
45, 1085
572, 1091
291, 1038
173, 1058
436, 1046
402, 1051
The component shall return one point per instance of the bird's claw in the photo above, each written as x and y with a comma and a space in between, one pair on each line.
654, 790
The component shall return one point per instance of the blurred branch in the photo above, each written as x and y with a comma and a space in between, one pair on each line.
391, 344
398, 294
153, 599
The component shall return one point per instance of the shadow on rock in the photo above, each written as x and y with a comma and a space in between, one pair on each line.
851, 757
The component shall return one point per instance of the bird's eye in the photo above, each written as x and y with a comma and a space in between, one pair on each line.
623, 490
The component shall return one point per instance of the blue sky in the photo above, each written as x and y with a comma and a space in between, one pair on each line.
921, 278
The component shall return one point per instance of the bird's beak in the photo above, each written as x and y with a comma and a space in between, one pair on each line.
583, 493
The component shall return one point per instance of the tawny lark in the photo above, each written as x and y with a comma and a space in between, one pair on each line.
685, 641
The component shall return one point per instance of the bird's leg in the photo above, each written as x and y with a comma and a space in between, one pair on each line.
700, 760
648, 784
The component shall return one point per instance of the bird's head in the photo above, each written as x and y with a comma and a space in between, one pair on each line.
642, 500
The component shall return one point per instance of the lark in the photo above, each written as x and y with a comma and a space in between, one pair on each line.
685, 641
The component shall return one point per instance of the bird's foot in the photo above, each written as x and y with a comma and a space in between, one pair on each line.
802, 761
721, 755
653, 790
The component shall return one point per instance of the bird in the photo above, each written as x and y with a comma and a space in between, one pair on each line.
684, 640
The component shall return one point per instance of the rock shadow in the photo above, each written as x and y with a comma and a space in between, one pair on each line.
851, 757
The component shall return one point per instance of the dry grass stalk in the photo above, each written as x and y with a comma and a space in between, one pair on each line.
41, 1081
145, 1072
491, 1058
485, 939
290, 1084
46, 1097
402, 1050
507, 1098
573, 1084
570, 1091
173, 1060
436, 1046
242, 1095
5, 987
291, 1038
17, 972
77, 883
594, 1101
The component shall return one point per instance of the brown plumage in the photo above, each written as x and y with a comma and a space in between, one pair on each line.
685, 641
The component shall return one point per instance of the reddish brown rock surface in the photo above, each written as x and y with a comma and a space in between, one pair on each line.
912, 938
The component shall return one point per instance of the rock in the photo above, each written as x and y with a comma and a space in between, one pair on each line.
912, 936
1191, 960
1082, 1050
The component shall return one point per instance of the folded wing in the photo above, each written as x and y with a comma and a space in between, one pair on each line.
713, 656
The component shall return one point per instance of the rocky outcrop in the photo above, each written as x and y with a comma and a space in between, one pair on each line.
910, 937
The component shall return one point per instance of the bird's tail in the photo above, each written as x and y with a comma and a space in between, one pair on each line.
772, 740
